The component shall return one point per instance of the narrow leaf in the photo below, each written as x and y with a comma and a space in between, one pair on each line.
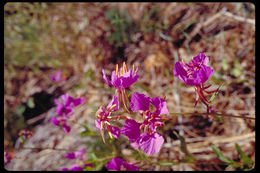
243, 156
220, 155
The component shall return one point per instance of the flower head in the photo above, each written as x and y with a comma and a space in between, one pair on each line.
57, 77
66, 104
195, 72
61, 122
149, 141
121, 78
119, 165
80, 157
103, 118
7, 157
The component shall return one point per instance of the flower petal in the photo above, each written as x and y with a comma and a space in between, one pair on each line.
160, 105
131, 130
71, 155
112, 102
106, 78
139, 102
115, 131
151, 144
55, 121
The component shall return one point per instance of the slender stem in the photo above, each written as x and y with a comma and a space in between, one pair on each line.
38, 148
213, 114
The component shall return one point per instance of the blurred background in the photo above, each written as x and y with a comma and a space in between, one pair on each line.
82, 38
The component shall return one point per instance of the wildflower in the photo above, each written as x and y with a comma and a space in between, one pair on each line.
67, 104
80, 157
61, 122
195, 72
7, 157
149, 141
119, 165
121, 79
57, 77
103, 115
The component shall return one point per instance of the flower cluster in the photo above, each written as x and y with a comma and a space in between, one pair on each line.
80, 157
64, 109
142, 135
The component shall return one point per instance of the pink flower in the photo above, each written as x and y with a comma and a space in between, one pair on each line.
80, 157
64, 109
118, 164
61, 122
7, 157
66, 104
150, 141
121, 78
103, 118
195, 72
57, 77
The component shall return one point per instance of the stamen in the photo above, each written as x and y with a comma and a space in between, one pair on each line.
112, 107
109, 132
117, 70
102, 124
121, 71
126, 69
107, 122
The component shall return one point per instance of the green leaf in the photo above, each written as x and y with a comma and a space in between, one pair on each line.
164, 163
85, 133
30, 103
20, 110
243, 156
212, 98
220, 155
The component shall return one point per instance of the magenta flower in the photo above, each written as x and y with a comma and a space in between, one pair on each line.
7, 157
103, 115
195, 72
74, 168
118, 164
150, 141
121, 79
66, 104
57, 77
81, 158
61, 122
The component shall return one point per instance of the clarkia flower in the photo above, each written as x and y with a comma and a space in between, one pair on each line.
195, 72
7, 157
103, 118
57, 77
66, 104
80, 157
149, 141
121, 78
118, 164
61, 122
64, 108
